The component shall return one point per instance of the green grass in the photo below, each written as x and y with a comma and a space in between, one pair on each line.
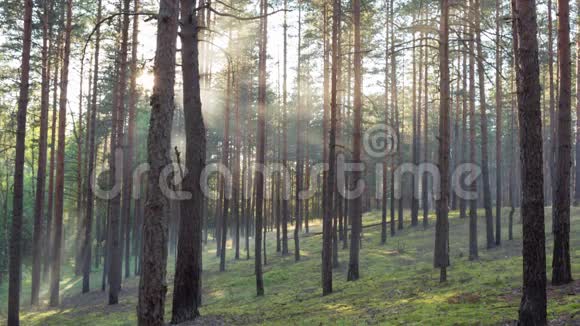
398, 285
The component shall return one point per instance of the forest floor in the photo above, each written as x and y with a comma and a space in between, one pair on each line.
398, 285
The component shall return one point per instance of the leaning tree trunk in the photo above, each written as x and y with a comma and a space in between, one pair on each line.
152, 284
533, 304
17, 208
59, 188
441, 259
561, 268
187, 284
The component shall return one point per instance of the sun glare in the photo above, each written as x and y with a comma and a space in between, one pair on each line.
146, 80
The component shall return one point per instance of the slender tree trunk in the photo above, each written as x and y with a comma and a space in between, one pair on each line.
484, 138
285, 211
225, 162
50, 205
561, 268
115, 222
442, 226
17, 206
533, 304
88, 221
551, 155
59, 189
130, 139
355, 210
499, 123
152, 284
299, 162
473, 246
259, 176
42, 145
577, 146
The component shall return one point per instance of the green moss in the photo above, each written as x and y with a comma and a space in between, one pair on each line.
398, 285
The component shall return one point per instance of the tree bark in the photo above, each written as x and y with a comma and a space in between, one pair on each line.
561, 268
187, 284
88, 221
17, 206
441, 259
355, 209
152, 284
484, 138
261, 150
59, 188
533, 305
42, 146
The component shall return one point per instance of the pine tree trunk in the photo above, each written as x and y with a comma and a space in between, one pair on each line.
261, 150
187, 283
473, 246
130, 139
88, 220
59, 187
299, 162
561, 268
355, 209
484, 138
499, 122
42, 146
285, 211
533, 304
17, 206
152, 284
441, 259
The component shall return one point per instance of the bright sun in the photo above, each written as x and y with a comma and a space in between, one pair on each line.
146, 80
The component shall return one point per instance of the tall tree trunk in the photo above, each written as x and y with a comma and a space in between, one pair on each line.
17, 206
386, 95
299, 162
59, 188
533, 304
414, 150
425, 181
261, 150
115, 222
130, 139
577, 146
499, 126
50, 205
551, 155
187, 284
152, 284
285, 211
442, 226
42, 145
484, 138
88, 221
561, 268
473, 246
225, 162
355, 209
